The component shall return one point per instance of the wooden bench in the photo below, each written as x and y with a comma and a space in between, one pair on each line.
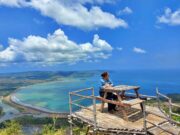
123, 103
132, 102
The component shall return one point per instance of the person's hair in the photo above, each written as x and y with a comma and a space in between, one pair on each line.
104, 74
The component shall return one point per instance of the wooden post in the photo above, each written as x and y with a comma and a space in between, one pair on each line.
70, 110
144, 115
102, 104
123, 108
170, 108
137, 95
158, 100
88, 128
94, 112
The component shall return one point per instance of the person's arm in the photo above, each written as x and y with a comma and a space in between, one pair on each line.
103, 83
110, 82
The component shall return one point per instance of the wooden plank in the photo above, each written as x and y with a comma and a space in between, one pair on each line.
133, 97
175, 105
81, 106
171, 130
82, 96
77, 91
111, 101
123, 102
120, 88
132, 101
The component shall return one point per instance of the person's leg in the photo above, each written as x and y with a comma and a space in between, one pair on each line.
110, 97
101, 93
114, 97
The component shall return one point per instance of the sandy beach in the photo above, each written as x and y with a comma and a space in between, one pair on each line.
29, 109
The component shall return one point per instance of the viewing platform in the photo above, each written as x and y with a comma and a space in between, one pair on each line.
150, 120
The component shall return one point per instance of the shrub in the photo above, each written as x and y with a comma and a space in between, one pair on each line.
11, 128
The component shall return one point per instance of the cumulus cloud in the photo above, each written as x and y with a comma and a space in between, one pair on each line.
139, 50
73, 13
19, 3
13, 3
126, 10
170, 17
93, 1
55, 49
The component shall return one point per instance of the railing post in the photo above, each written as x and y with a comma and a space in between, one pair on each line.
170, 108
144, 114
94, 112
158, 100
70, 110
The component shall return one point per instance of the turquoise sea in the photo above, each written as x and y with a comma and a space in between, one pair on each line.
54, 95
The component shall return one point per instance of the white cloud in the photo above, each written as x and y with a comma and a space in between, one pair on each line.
55, 49
93, 1
169, 17
119, 48
9, 3
139, 50
13, 3
126, 10
73, 13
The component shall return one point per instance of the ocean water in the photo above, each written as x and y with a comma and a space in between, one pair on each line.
54, 95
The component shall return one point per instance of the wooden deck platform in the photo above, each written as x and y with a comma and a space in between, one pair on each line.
167, 126
116, 122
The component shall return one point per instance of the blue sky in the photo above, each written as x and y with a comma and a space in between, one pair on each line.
89, 34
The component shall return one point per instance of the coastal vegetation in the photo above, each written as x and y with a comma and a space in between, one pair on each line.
49, 126
11, 128
175, 97
30, 120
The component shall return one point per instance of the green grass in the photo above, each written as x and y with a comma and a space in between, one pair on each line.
30, 120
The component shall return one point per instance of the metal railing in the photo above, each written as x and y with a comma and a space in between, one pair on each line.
81, 97
170, 106
166, 116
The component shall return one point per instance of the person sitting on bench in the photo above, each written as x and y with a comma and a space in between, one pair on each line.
106, 82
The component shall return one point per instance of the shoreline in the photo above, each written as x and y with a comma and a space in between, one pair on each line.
29, 109
12, 100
